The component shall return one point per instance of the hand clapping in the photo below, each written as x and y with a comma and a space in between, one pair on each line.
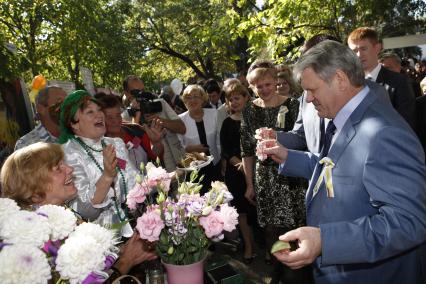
110, 161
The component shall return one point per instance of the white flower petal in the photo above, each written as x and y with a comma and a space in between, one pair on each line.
25, 227
61, 221
23, 264
79, 257
7, 207
104, 237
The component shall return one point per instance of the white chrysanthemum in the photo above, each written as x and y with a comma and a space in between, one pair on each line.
7, 207
79, 257
104, 237
61, 221
23, 264
25, 227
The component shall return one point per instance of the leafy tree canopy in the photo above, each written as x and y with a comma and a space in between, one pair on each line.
162, 40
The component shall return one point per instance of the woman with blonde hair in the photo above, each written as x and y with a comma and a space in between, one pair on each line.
38, 175
200, 133
279, 200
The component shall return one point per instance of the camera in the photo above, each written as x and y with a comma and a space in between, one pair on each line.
147, 102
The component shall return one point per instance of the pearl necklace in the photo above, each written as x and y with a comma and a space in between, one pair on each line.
88, 150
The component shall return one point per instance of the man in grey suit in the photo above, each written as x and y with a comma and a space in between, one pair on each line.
366, 202
306, 132
309, 127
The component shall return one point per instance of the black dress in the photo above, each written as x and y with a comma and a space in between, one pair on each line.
234, 179
280, 199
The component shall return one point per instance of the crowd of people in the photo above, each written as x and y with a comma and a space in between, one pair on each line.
343, 132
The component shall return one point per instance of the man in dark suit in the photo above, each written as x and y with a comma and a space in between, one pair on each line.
365, 43
392, 62
366, 202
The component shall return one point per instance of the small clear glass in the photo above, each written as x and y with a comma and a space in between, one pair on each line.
155, 272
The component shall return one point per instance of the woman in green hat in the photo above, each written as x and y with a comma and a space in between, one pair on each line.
103, 173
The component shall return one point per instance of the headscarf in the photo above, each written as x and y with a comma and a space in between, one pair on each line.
69, 108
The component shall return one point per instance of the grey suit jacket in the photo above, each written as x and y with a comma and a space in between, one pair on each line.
306, 130
374, 229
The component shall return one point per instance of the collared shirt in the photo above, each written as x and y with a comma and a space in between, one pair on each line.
38, 134
219, 103
374, 73
343, 115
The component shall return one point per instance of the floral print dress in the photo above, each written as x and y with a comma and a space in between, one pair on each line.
280, 200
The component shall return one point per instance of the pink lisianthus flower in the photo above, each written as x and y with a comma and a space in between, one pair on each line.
260, 152
212, 224
229, 216
149, 225
262, 146
265, 133
158, 176
137, 195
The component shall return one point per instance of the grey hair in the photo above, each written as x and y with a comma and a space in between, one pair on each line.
392, 55
43, 95
326, 58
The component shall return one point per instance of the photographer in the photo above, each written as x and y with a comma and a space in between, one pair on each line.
145, 108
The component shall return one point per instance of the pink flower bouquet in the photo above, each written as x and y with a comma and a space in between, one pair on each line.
183, 226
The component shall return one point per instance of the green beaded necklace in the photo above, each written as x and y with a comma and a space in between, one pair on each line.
88, 150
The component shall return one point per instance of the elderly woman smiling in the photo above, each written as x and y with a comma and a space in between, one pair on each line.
200, 133
38, 175
103, 173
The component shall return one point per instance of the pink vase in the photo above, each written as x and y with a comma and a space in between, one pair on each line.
185, 274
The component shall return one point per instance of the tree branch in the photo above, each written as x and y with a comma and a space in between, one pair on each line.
182, 57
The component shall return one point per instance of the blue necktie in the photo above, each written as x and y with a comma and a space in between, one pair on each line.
322, 133
329, 132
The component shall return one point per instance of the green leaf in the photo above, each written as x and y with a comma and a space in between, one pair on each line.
280, 245
118, 226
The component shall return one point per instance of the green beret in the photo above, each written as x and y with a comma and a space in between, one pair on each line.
69, 108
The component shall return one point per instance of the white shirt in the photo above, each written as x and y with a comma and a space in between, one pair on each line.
374, 73
191, 136
219, 104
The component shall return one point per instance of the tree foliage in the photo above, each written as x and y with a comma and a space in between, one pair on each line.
57, 37
194, 31
161, 40
281, 27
